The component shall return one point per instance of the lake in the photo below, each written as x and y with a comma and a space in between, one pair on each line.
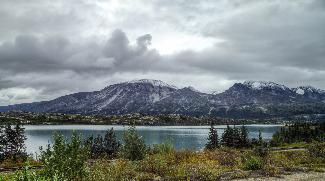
182, 137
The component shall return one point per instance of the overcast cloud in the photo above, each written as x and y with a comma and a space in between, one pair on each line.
49, 49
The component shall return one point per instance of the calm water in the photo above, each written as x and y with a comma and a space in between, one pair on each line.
183, 137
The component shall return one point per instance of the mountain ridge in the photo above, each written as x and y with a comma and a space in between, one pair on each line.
242, 100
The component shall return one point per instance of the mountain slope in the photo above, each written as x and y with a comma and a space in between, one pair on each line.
251, 99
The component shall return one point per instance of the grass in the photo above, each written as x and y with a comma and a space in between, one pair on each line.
206, 165
165, 163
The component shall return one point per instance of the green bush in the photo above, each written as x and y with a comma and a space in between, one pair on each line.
26, 174
65, 160
261, 151
253, 163
134, 147
163, 148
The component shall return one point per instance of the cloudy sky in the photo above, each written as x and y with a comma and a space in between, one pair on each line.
52, 48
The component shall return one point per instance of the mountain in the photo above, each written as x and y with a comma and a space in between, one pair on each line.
310, 92
259, 92
250, 99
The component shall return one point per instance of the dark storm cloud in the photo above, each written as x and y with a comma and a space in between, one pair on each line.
55, 62
53, 48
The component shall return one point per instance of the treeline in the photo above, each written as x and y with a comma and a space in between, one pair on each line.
299, 132
235, 137
12, 142
127, 119
67, 160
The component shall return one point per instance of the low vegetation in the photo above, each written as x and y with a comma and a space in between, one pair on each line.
233, 155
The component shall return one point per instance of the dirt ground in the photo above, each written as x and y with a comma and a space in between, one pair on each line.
310, 176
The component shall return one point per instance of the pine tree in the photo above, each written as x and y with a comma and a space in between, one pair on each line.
260, 138
14, 141
213, 141
236, 137
9, 136
110, 144
244, 137
227, 137
97, 148
19, 143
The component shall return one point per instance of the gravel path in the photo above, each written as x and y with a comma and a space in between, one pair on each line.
310, 176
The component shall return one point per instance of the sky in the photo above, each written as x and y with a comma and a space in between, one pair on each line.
53, 48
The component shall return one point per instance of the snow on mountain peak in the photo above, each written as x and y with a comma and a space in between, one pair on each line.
192, 89
158, 83
258, 85
302, 89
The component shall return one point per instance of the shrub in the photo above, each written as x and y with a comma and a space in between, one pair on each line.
261, 151
26, 174
134, 147
65, 160
253, 163
163, 148
226, 157
317, 149
157, 164
103, 170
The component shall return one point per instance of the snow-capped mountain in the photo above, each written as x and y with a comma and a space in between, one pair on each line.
247, 99
257, 92
310, 92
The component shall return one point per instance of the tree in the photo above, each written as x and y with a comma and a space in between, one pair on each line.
236, 138
107, 146
213, 141
9, 137
260, 138
19, 143
12, 142
110, 144
134, 147
97, 149
65, 160
244, 140
227, 137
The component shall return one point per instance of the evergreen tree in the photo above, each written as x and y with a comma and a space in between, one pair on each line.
19, 144
244, 137
260, 138
110, 144
14, 141
236, 137
9, 136
97, 147
213, 141
227, 137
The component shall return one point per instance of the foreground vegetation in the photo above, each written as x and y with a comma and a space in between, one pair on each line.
231, 156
